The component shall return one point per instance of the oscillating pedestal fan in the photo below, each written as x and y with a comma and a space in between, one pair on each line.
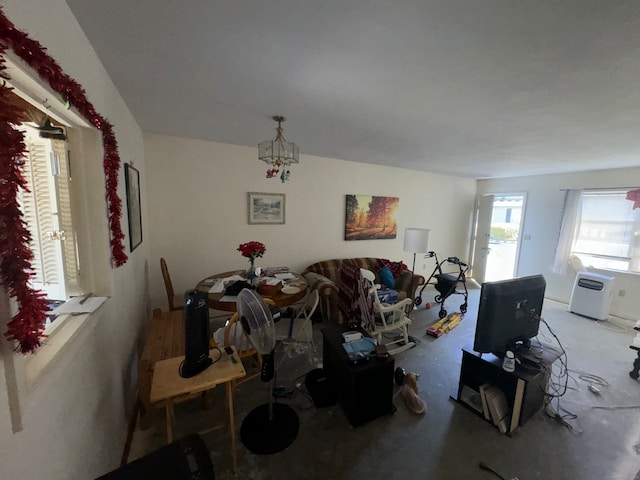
269, 428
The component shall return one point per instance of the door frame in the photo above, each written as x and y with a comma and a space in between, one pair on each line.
473, 241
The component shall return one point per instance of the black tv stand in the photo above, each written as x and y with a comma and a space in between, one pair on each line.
524, 389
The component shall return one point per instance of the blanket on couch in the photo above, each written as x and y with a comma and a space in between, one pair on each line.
325, 277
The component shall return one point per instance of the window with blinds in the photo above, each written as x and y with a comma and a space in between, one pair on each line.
47, 211
608, 235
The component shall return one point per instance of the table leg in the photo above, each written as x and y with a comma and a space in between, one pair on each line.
232, 427
171, 420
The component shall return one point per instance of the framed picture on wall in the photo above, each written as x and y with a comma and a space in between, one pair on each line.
369, 217
265, 208
132, 181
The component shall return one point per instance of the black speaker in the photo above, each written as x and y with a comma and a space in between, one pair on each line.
321, 388
196, 333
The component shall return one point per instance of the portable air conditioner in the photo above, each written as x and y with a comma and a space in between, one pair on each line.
591, 296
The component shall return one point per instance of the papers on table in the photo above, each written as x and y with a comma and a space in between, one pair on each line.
77, 305
219, 285
284, 276
229, 298
271, 271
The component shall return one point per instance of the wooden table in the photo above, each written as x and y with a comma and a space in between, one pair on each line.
278, 298
169, 387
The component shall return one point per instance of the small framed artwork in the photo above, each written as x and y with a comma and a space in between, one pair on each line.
132, 181
266, 208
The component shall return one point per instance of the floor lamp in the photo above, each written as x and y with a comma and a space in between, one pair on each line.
416, 240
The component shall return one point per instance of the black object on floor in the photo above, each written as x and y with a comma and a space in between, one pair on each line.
489, 469
364, 390
264, 435
185, 459
321, 388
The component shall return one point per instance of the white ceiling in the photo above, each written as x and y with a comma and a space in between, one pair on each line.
475, 88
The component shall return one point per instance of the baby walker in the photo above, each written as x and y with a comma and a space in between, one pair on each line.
446, 283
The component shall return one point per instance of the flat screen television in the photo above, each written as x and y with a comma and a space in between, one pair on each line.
509, 314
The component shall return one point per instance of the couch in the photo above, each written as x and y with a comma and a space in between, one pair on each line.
325, 277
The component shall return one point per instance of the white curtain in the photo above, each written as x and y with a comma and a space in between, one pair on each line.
569, 227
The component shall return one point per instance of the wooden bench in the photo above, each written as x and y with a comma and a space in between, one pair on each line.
164, 340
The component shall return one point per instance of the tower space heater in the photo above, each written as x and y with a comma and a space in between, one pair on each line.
591, 296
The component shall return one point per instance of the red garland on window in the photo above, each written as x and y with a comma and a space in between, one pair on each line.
634, 196
36, 57
27, 326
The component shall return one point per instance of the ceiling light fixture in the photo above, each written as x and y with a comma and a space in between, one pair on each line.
278, 154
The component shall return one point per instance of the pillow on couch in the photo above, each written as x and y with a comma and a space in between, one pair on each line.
386, 277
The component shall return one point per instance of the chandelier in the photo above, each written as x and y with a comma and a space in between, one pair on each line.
278, 154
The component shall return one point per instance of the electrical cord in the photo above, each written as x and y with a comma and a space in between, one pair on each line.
181, 366
591, 378
558, 386
617, 407
298, 387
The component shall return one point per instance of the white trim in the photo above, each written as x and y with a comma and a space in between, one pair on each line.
21, 78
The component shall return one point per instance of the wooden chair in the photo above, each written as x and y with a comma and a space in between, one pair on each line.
387, 317
250, 357
176, 302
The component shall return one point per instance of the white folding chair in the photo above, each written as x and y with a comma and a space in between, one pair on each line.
296, 334
388, 318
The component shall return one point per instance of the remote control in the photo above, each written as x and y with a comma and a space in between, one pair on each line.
229, 352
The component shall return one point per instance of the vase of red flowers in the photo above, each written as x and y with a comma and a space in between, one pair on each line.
252, 250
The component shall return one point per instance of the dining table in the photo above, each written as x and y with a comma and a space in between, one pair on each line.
283, 294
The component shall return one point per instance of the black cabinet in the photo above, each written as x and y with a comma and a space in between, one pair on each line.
524, 389
365, 389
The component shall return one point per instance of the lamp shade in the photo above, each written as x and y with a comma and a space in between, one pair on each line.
416, 240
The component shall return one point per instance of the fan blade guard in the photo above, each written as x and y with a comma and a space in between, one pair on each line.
256, 320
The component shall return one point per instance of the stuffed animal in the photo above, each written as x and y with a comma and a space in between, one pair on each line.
410, 394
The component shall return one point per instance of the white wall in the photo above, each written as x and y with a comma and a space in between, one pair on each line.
542, 222
72, 423
197, 203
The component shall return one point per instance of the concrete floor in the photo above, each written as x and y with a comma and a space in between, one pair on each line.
449, 441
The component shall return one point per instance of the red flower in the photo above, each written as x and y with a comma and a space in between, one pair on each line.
252, 250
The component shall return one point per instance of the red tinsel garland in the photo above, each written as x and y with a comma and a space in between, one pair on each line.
27, 325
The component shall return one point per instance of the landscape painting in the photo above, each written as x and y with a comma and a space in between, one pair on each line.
370, 218
266, 208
